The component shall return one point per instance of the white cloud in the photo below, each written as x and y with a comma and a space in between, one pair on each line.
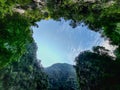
74, 52
108, 46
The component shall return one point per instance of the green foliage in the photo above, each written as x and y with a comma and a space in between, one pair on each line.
34, 15
97, 71
23, 2
62, 77
15, 30
102, 15
15, 33
6, 6
25, 74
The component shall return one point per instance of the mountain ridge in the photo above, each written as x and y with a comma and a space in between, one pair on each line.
62, 76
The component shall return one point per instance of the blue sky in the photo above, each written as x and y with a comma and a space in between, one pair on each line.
59, 43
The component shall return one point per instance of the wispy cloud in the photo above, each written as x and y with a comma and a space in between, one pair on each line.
74, 52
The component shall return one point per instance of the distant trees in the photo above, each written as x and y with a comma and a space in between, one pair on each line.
62, 77
25, 74
97, 71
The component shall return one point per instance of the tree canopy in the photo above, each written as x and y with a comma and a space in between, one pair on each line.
62, 77
15, 34
98, 15
25, 74
15, 28
97, 71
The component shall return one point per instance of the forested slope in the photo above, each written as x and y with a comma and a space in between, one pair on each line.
97, 70
24, 74
62, 76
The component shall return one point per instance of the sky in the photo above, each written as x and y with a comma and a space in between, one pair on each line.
58, 42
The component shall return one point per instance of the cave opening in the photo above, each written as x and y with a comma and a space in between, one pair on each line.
58, 42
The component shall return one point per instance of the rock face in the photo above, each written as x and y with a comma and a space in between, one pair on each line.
35, 4
92, 1
20, 11
39, 3
62, 77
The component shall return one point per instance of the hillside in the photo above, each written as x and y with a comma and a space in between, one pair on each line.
62, 77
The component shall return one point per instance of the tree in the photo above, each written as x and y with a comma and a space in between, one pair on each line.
25, 74
62, 77
15, 34
97, 71
15, 31
98, 15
